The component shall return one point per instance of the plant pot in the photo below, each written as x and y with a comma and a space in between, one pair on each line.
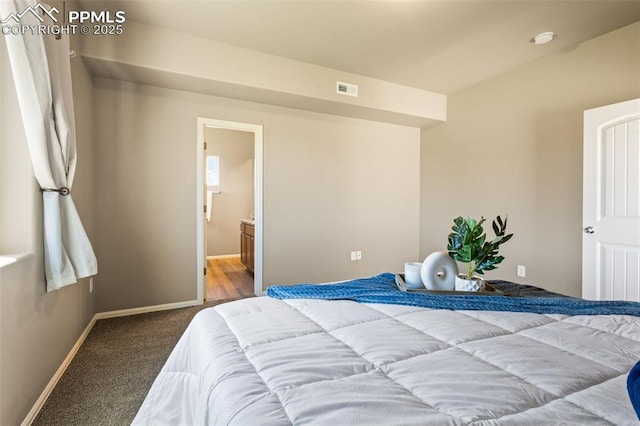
472, 284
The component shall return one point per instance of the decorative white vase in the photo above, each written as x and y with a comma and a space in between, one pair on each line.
473, 284
438, 271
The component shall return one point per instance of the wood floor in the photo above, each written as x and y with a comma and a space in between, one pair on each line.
228, 279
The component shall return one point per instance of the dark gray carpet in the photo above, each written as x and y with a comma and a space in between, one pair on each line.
112, 372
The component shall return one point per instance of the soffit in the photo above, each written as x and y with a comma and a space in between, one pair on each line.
440, 46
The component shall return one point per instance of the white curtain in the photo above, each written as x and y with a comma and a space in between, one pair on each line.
209, 205
42, 75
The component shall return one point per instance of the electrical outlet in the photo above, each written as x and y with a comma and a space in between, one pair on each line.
521, 271
91, 285
353, 255
358, 255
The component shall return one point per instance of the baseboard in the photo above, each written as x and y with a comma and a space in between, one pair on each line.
31, 416
224, 256
147, 309
33, 413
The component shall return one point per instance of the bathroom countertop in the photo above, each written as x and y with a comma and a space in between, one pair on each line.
248, 221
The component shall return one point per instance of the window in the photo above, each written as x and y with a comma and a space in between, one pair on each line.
19, 193
213, 171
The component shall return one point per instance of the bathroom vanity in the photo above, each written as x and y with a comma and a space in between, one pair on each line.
247, 250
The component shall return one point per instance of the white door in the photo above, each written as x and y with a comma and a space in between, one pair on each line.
611, 203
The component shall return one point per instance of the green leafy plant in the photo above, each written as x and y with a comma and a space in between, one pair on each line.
468, 244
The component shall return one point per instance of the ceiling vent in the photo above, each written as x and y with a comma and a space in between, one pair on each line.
346, 89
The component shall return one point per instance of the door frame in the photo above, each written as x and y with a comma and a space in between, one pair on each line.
258, 176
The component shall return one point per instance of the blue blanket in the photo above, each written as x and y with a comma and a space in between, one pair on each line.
381, 289
633, 387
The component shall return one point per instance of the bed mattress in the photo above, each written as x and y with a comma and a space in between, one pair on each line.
264, 361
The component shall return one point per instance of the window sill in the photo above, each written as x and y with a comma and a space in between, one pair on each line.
9, 259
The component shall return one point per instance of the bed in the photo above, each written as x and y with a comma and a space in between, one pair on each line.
308, 361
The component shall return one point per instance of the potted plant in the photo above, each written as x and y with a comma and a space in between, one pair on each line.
468, 244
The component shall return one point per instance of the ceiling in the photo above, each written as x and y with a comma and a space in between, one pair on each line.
441, 46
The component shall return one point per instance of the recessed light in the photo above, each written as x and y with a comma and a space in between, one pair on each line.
542, 38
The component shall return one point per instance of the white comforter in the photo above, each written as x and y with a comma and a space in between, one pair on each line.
264, 361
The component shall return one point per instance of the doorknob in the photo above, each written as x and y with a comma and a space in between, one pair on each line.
589, 230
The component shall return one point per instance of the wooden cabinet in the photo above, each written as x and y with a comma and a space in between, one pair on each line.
247, 246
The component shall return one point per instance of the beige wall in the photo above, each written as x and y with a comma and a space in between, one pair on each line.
331, 185
235, 202
166, 58
37, 330
513, 144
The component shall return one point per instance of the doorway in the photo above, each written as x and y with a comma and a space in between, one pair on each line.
218, 255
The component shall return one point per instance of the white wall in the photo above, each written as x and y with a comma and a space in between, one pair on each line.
235, 202
513, 144
37, 330
331, 185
